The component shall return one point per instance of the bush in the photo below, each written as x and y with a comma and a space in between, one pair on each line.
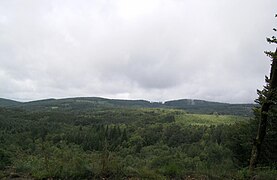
4, 159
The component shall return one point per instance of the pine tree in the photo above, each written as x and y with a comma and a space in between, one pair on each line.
267, 99
124, 136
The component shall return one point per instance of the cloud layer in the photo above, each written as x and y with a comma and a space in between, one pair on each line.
135, 49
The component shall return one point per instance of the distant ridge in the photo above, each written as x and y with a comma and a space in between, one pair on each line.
208, 107
89, 103
8, 103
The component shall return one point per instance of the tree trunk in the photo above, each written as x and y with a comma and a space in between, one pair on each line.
256, 150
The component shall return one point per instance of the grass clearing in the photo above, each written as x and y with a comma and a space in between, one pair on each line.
208, 120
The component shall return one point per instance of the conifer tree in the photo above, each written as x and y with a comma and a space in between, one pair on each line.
267, 100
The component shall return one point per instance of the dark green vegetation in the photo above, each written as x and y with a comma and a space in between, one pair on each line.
267, 112
93, 138
87, 103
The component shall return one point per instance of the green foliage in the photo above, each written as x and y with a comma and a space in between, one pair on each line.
264, 145
207, 120
5, 159
261, 173
55, 162
118, 143
95, 103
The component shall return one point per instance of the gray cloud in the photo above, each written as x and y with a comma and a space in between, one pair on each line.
138, 49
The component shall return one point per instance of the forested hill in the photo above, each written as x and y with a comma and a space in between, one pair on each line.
88, 103
207, 107
8, 103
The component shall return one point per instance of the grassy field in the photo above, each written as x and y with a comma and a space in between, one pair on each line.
208, 120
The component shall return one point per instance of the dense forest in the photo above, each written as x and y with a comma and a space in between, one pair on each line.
137, 49
115, 139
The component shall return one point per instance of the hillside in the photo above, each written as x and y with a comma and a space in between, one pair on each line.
97, 138
207, 107
121, 143
89, 103
8, 103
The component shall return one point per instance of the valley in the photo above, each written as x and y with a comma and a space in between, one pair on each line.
97, 138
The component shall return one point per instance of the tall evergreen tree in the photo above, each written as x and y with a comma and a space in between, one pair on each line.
267, 99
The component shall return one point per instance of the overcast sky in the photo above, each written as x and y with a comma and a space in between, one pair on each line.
155, 50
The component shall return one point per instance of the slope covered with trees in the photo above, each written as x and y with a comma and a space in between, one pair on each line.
88, 103
118, 143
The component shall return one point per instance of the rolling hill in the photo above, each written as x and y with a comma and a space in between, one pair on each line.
9, 103
90, 103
